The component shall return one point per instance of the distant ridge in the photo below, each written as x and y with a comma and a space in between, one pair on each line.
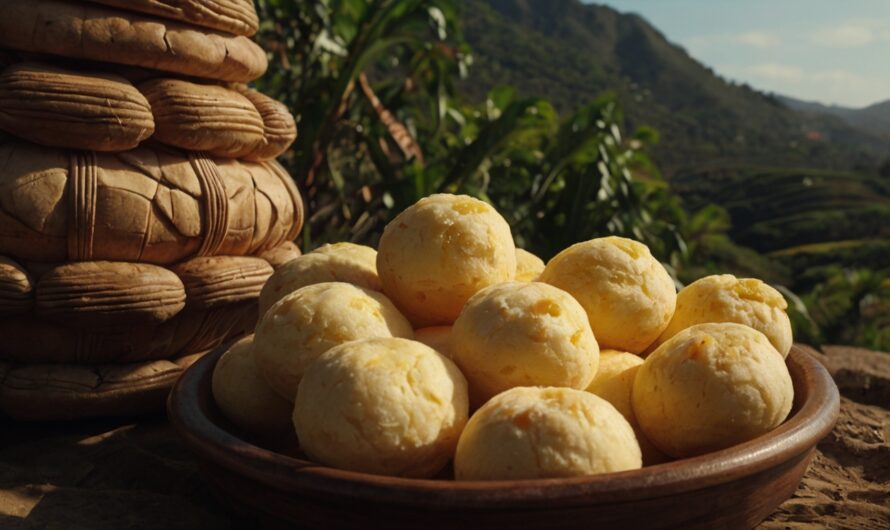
570, 53
874, 119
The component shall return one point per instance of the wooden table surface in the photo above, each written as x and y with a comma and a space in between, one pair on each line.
134, 473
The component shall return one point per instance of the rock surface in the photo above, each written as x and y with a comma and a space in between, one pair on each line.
135, 473
848, 482
102, 474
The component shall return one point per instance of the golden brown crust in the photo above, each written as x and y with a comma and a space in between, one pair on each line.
280, 255
259, 219
709, 387
617, 281
308, 322
206, 118
131, 259
233, 16
439, 252
56, 107
87, 31
66, 392
725, 298
102, 312
280, 128
103, 293
145, 205
32, 182
16, 288
224, 280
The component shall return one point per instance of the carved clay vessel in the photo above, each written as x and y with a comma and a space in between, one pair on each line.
108, 293
145, 205
281, 254
58, 107
104, 311
280, 128
63, 108
67, 392
82, 30
207, 118
232, 16
137, 225
16, 288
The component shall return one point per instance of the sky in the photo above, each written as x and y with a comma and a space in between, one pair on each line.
830, 51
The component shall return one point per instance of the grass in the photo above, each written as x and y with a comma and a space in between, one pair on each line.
827, 246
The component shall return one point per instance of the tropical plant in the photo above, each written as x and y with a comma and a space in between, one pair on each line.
322, 54
562, 182
851, 306
372, 85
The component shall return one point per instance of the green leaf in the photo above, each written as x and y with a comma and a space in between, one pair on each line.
492, 136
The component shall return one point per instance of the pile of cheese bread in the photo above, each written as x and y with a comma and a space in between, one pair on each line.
448, 344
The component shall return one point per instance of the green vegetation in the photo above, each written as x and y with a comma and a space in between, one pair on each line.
393, 104
354, 138
847, 306
381, 126
874, 119
572, 52
829, 230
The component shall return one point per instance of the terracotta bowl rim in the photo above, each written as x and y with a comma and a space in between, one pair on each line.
812, 419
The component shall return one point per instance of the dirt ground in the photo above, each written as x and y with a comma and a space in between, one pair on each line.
848, 483
136, 474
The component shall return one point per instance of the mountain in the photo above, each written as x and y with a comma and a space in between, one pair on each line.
873, 119
570, 53
801, 217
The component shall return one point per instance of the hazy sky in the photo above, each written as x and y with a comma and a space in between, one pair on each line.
832, 51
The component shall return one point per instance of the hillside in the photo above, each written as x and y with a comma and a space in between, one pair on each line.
801, 218
569, 53
873, 119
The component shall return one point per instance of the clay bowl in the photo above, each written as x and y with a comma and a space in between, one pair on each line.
733, 488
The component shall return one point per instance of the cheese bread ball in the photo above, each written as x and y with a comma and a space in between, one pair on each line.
528, 266
243, 395
725, 298
709, 387
628, 295
614, 382
535, 432
439, 252
306, 323
340, 262
523, 334
383, 406
437, 338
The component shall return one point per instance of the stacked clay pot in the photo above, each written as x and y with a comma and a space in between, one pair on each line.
141, 206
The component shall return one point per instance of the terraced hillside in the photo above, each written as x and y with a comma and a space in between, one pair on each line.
802, 218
